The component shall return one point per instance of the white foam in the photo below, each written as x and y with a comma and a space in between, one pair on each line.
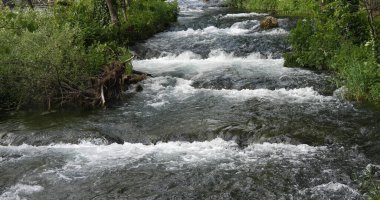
215, 55
298, 95
190, 5
241, 15
183, 89
275, 31
18, 191
338, 190
248, 24
187, 55
192, 66
211, 30
217, 60
233, 30
239, 28
173, 155
157, 104
197, 5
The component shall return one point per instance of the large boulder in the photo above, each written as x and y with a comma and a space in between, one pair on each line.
268, 23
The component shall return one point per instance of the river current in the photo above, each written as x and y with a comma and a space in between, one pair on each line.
222, 118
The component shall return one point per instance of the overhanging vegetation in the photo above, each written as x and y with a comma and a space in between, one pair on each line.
56, 56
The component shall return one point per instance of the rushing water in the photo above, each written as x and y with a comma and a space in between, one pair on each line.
221, 119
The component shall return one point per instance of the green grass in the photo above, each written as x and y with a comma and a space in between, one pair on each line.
291, 8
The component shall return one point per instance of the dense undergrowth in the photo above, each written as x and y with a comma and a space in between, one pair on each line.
45, 51
277, 7
332, 35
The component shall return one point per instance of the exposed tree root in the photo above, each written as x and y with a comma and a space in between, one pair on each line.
102, 90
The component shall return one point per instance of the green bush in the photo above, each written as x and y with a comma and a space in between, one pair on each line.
279, 7
303, 38
37, 57
42, 53
146, 17
263, 5
337, 38
143, 19
357, 66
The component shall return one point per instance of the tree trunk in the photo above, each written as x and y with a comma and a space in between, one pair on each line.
374, 36
124, 6
113, 12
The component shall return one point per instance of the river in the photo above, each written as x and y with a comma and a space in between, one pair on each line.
222, 118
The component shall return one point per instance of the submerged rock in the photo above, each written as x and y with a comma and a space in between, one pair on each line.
268, 23
139, 88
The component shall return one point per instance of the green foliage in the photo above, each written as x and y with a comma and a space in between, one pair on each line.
370, 185
375, 90
143, 19
146, 17
316, 40
279, 7
303, 38
337, 38
42, 52
267, 5
38, 54
357, 66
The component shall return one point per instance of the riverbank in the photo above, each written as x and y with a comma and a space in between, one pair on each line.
336, 36
68, 54
292, 8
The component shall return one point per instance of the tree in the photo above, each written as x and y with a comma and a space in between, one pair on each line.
112, 9
374, 36
124, 5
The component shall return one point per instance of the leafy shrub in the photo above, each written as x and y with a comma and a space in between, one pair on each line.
146, 17
41, 53
337, 38
36, 60
281, 7
357, 66
302, 38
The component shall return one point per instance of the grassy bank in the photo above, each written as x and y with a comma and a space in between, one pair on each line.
46, 56
332, 35
277, 7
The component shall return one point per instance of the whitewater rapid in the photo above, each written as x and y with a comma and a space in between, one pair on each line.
221, 118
